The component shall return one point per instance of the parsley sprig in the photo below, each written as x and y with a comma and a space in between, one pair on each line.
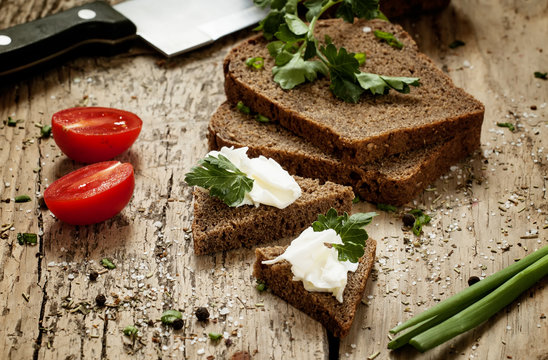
350, 229
299, 57
223, 179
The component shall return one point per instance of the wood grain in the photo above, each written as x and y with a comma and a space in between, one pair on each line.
487, 211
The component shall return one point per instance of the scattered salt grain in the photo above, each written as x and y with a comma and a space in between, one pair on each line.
366, 29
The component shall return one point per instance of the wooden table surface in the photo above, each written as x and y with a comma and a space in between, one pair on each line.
487, 211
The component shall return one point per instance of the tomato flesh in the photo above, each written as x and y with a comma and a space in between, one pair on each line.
93, 134
91, 194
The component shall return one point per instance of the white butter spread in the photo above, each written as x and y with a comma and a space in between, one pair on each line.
316, 265
272, 185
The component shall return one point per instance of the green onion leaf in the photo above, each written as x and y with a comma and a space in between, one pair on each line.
473, 292
242, 108
457, 43
45, 131
11, 122
482, 309
130, 331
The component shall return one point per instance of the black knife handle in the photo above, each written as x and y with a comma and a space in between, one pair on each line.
23, 46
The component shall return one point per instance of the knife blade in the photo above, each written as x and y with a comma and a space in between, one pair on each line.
170, 26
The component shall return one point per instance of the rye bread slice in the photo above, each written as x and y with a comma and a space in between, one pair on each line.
334, 316
217, 227
394, 180
375, 127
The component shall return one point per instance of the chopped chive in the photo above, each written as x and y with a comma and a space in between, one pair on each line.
242, 108
45, 131
508, 125
473, 292
541, 75
107, 263
255, 62
389, 38
360, 57
27, 238
11, 122
22, 198
482, 309
169, 316
130, 331
261, 118
215, 336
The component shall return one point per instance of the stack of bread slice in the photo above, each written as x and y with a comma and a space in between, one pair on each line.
386, 149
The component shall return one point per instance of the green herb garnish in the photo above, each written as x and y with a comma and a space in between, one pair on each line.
457, 43
255, 62
541, 75
222, 178
389, 38
130, 331
299, 58
45, 131
27, 238
261, 286
108, 264
22, 198
261, 118
508, 125
387, 208
473, 305
11, 122
356, 199
350, 229
169, 316
242, 108
215, 336
420, 219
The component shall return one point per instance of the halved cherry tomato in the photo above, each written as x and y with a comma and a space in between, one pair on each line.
92, 134
91, 194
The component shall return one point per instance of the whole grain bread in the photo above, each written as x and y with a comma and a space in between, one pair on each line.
375, 127
218, 227
334, 316
397, 8
394, 180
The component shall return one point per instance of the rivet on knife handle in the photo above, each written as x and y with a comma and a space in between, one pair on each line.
26, 45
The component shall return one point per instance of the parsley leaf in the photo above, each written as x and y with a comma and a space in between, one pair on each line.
368, 9
380, 84
222, 178
389, 38
297, 71
420, 219
508, 125
349, 228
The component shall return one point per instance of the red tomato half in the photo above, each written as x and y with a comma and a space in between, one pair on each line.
93, 134
91, 194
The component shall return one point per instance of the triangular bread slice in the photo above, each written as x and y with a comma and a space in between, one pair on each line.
375, 127
394, 180
218, 227
334, 316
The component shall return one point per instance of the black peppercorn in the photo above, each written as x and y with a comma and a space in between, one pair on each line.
408, 220
93, 275
177, 324
202, 314
100, 300
472, 280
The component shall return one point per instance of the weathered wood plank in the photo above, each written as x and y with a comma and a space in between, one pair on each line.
482, 209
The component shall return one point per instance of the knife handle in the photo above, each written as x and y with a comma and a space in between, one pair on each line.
26, 45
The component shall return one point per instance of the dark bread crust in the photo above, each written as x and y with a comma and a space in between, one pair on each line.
395, 8
375, 127
394, 180
334, 316
217, 227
